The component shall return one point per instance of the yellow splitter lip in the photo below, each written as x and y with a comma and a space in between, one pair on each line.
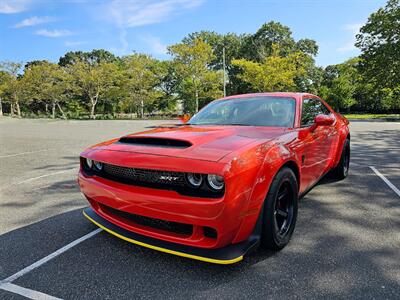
224, 256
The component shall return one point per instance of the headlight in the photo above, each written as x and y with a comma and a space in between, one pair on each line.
98, 165
216, 182
194, 179
89, 163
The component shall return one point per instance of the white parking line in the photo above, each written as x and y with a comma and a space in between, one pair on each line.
32, 294
391, 185
28, 293
24, 153
38, 177
46, 175
51, 256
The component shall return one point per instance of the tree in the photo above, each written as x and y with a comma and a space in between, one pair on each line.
259, 46
275, 73
307, 46
233, 45
34, 63
93, 81
192, 62
341, 83
5, 79
140, 80
230, 41
13, 87
49, 83
92, 58
379, 42
167, 85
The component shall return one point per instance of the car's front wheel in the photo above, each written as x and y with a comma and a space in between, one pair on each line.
341, 171
280, 210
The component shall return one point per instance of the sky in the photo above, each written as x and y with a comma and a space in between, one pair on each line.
46, 29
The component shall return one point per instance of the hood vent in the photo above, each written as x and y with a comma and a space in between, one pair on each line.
155, 142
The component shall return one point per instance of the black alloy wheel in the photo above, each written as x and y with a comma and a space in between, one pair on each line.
283, 211
280, 210
341, 171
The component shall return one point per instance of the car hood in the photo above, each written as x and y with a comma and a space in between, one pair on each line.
209, 143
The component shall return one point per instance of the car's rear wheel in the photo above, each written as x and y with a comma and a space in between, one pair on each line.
341, 171
280, 210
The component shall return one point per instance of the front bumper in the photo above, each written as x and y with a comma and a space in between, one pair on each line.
226, 255
220, 215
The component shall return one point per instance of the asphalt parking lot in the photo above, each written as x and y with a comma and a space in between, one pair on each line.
346, 243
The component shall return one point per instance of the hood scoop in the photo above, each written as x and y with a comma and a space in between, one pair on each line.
155, 142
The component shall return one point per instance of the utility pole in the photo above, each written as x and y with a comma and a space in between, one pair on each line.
223, 63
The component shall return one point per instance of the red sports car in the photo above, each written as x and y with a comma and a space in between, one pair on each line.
221, 184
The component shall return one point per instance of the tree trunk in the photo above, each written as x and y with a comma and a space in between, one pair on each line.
18, 109
46, 107
62, 112
197, 100
142, 109
93, 102
1, 108
53, 110
92, 115
12, 109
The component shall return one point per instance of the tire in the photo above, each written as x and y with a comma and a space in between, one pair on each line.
341, 171
280, 210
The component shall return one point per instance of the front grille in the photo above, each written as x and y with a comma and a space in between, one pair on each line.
145, 176
155, 179
175, 227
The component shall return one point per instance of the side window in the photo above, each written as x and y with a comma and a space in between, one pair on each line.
311, 109
324, 110
308, 112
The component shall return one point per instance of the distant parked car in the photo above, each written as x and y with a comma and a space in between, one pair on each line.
223, 183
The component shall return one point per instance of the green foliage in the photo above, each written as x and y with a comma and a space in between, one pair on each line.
275, 73
259, 46
196, 81
93, 82
13, 89
48, 83
91, 58
340, 84
139, 80
379, 41
100, 84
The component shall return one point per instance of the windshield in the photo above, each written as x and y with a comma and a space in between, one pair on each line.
255, 111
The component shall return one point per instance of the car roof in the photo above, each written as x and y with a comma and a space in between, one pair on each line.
274, 94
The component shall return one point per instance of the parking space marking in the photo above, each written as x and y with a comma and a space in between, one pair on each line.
28, 293
42, 176
24, 153
50, 256
391, 185
38, 177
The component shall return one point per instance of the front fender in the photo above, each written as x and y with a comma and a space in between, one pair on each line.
343, 132
275, 156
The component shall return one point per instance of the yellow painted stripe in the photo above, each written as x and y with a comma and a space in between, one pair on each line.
210, 260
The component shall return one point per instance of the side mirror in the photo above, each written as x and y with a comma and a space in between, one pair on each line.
322, 120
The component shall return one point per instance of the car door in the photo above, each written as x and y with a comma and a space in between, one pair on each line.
317, 142
328, 136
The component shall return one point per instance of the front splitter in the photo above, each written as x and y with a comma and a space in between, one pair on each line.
227, 255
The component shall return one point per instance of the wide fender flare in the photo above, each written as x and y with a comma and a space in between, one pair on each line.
275, 158
344, 133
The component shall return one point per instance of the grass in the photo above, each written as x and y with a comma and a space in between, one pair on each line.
371, 116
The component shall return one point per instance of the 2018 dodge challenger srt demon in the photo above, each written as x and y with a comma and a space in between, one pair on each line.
222, 184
